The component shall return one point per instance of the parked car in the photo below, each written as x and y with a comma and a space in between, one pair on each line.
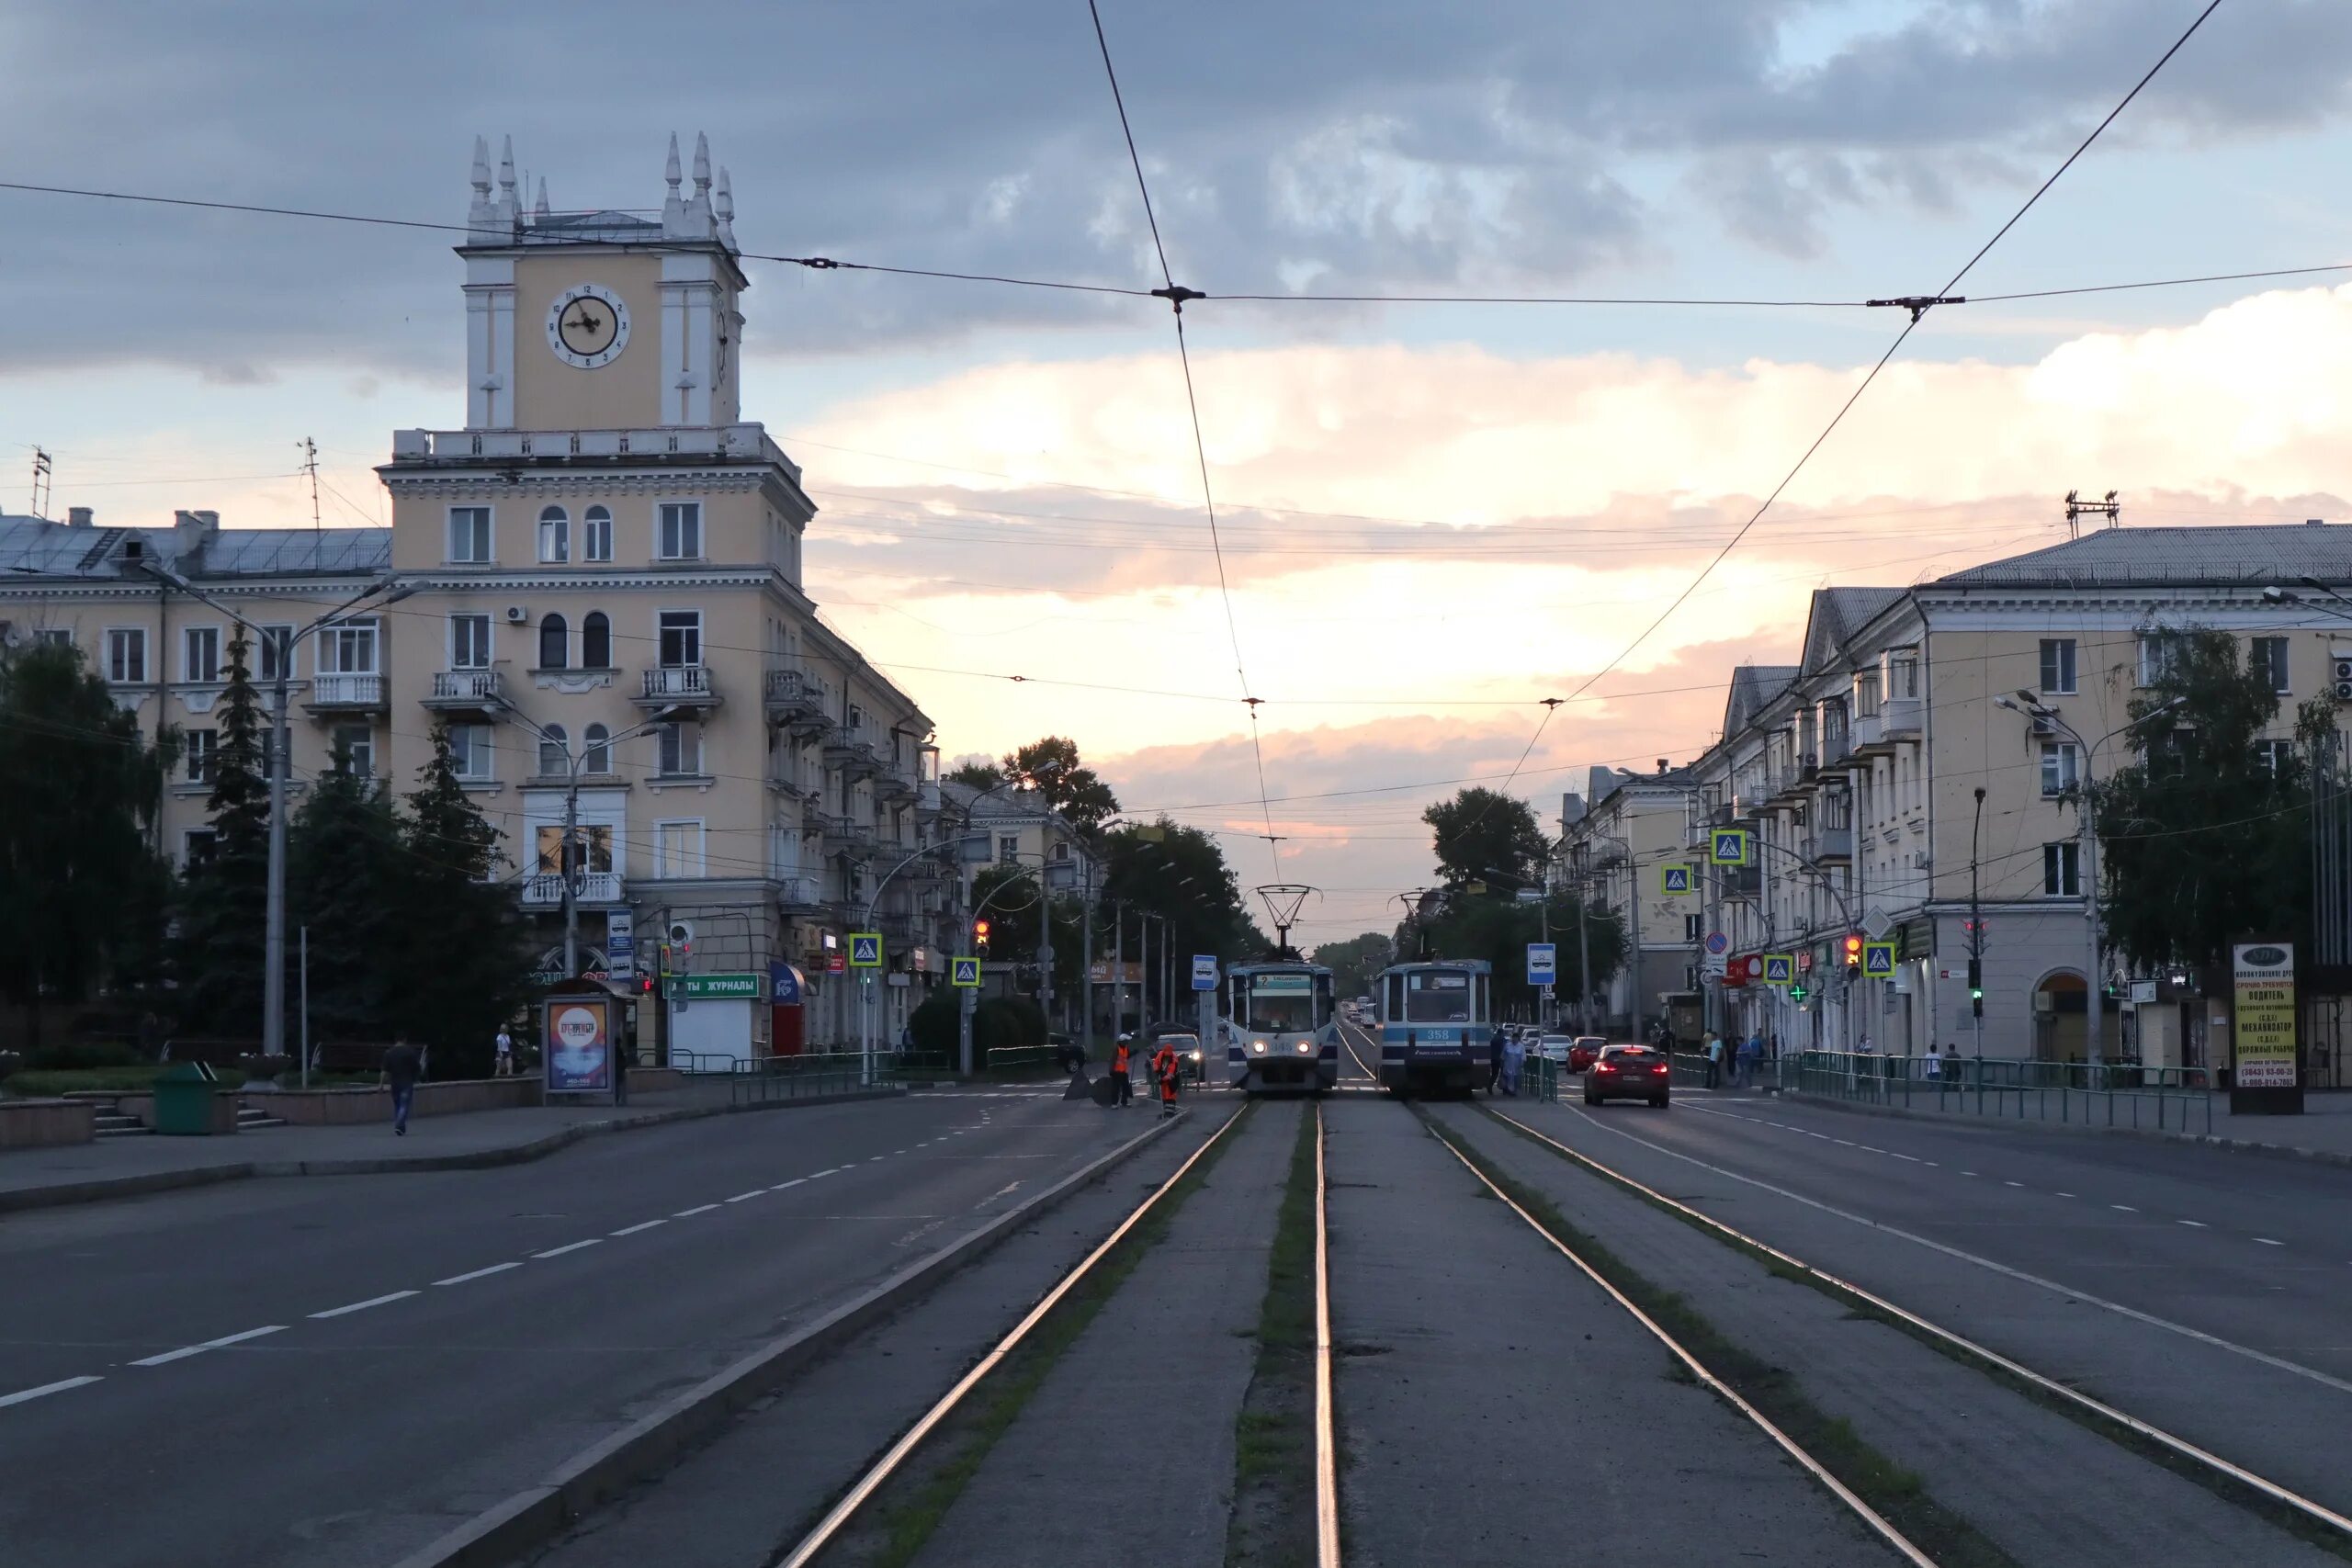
1585, 1050
1556, 1047
1629, 1072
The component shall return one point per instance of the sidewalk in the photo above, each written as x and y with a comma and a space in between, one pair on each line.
36, 1178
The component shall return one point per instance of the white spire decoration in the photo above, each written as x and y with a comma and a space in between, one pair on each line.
506, 170
672, 173
702, 166
482, 169
540, 208
725, 208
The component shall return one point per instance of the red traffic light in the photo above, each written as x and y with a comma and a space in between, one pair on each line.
1853, 947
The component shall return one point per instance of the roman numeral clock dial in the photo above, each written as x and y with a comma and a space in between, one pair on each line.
588, 326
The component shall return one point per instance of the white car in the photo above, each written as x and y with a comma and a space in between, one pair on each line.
1555, 1046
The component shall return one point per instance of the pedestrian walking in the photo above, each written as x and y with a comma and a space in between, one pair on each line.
1163, 1067
404, 1064
502, 1055
1714, 1058
1751, 1051
1514, 1058
1935, 1061
1494, 1050
1122, 1076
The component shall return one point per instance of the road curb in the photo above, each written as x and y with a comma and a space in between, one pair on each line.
103, 1188
533, 1516
2146, 1134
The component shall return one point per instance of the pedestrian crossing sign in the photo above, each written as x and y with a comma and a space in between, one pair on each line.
865, 950
1728, 846
1779, 969
1878, 960
964, 972
1676, 881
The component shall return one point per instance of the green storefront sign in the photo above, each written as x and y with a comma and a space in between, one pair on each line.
718, 988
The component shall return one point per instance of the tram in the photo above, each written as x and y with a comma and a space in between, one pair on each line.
1280, 1028
1436, 1025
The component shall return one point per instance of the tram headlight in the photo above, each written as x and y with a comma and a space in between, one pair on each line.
1307, 1047
1257, 1047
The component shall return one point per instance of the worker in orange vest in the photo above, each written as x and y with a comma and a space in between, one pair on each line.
1122, 1076
1164, 1069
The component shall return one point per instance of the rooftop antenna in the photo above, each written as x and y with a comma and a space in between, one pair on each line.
2077, 509
1282, 900
40, 484
310, 468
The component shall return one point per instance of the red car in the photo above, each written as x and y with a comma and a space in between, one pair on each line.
1628, 1072
1584, 1051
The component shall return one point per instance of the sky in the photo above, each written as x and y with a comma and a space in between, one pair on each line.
1430, 516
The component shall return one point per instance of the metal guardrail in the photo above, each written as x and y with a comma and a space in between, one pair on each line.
1017, 1058
1988, 1087
1540, 1080
766, 1078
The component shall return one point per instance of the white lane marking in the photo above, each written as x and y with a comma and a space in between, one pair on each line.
2013, 1184
1899, 1154
24, 1394
640, 1225
568, 1246
187, 1351
494, 1269
2134, 1313
1967, 1173
877, 1158
2267, 1242
1868, 1150
2125, 1207
363, 1306
697, 1209
781, 1185
754, 1192
2066, 1194
813, 1175
2199, 1225
1937, 1163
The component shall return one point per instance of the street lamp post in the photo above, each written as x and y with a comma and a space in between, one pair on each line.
273, 1014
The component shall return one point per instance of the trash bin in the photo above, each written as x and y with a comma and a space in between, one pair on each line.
184, 1099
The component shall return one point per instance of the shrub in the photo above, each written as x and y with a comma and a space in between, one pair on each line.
1000, 1022
76, 1054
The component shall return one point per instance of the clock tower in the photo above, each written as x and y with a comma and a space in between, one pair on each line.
603, 320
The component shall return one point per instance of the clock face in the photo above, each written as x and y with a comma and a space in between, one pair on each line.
588, 326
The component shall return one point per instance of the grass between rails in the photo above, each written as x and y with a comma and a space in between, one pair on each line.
1897, 1494
912, 1503
1271, 1524
2292, 1520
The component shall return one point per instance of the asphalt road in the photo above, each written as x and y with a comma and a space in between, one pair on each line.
2197, 1289
337, 1370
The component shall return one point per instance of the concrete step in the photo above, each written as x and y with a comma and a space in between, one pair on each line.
253, 1116
115, 1124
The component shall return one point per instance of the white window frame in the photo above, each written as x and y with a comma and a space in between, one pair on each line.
539, 641
555, 528
671, 746
488, 518
2062, 652
595, 530
191, 837
596, 750
489, 639
661, 652
555, 746
606, 661
2271, 752
2282, 671
2067, 869
363, 754
474, 763
276, 638
2062, 768
680, 849
660, 531
122, 640
203, 751
53, 637
189, 636
2157, 652
336, 641
1008, 849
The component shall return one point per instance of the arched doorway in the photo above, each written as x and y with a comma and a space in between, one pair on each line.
2060, 1009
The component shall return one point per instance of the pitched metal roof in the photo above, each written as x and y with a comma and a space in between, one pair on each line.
1752, 686
2246, 556
1836, 614
34, 547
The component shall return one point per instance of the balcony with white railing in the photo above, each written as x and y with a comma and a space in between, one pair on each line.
678, 685
544, 889
798, 699
739, 443
798, 891
339, 693
1899, 719
464, 690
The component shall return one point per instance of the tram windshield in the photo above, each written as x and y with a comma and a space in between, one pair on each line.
1437, 996
1281, 1004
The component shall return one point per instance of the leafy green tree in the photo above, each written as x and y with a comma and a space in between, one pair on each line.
1482, 834
1355, 961
462, 949
2205, 839
1459, 925
1068, 786
976, 773
345, 875
225, 895
79, 789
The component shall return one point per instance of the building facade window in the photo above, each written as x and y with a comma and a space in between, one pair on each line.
2061, 870
555, 756
198, 749
596, 533
595, 641
2266, 658
471, 756
1694, 928
555, 643
200, 654
348, 649
2275, 755
470, 536
276, 653
2159, 651
1008, 848
555, 534
354, 749
2061, 767
677, 849
680, 638
1903, 674
680, 531
2057, 667
680, 750
126, 656
470, 642
52, 637
196, 847
596, 750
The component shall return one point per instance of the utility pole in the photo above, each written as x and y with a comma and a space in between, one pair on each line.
310, 468
40, 483
1584, 948
1977, 928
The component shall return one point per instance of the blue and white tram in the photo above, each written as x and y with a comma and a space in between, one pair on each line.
1436, 1033
1279, 1027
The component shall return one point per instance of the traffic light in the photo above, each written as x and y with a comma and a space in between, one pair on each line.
981, 935
1976, 988
1853, 949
